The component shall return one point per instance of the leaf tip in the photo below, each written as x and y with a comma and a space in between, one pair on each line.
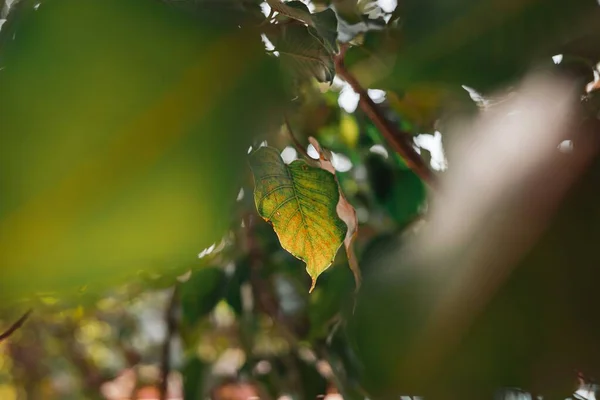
313, 284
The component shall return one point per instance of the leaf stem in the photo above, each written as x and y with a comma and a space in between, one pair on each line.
301, 149
398, 140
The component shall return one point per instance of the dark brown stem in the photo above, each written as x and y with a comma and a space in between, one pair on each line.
165, 367
398, 140
301, 149
19, 323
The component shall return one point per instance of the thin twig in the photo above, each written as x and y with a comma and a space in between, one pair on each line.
19, 323
165, 367
398, 140
297, 144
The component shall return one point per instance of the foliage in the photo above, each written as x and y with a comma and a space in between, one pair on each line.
128, 127
300, 202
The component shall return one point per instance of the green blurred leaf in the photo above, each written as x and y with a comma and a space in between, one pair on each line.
193, 375
201, 293
326, 25
330, 300
299, 201
233, 294
115, 118
303, 52
374, 59
292, 9
483, 44
400, 191
313, 384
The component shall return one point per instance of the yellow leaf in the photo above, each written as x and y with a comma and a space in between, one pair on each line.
299, 201
344, 210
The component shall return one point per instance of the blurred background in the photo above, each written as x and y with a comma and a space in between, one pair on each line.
463, 133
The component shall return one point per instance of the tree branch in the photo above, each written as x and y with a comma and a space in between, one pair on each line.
19, 323
398, 140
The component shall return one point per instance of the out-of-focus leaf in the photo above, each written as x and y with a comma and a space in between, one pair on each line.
302, 52
347, 10
331, 299
349, 130
340, 354
312, 383
399, 191
478, 306
193, 376
292, 9
233, 294
324, 22
326, 25
118, 151
482, 44
299, 201
201, 293
374, 59
419, 106
344, 210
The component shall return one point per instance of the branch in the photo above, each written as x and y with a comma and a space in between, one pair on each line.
301, 149
398, 140
19, 323
166, 349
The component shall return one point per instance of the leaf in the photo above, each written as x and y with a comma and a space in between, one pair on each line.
304, 53
419, 106
292, 9
399, 191
470, 270
193, 372
311, 43
299, 201
347, 10
201, 293
445, 42
326, 25
344, 210
108, 161
233, 292
374, 59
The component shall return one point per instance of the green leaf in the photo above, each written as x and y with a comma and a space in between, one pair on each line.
292, 9
233, 294
121, 142
344, 209
483, 44
201, 293
299, 201
400, 192
193, 373
326, 24
303, 53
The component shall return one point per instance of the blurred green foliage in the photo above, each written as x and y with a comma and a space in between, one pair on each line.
124, 132
117, 151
